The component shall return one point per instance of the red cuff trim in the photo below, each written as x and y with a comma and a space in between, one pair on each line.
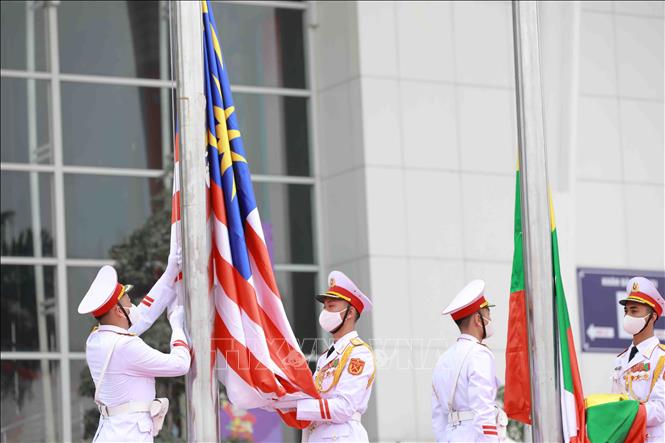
490, 433
489, 427
150, 299
323, 415
146, 302
327, 409
180, 343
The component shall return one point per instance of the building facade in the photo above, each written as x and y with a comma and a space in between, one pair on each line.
382, 141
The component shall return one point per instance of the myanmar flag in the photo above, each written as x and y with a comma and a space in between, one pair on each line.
615, 421
572, 398
517, 393
517, 397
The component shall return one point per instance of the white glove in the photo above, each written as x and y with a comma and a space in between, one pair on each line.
174, 265
176, 316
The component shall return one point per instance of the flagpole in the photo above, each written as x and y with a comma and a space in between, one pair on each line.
545, 385
202, 398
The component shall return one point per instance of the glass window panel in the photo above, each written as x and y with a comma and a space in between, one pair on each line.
20, 219
102, 211
275, 133
262, 46
30, 401
26, 130
121, 38
85, 416
286, 215
17, 41
114, 126
28, 308
78, 283
297, 290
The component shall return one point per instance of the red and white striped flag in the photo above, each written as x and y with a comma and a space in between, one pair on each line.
258, 358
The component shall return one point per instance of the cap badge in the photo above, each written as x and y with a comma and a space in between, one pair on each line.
332, 282
636, 287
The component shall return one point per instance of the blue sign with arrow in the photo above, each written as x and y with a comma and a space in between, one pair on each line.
601, 315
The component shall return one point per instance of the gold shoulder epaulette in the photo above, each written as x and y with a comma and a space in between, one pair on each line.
356, 341
661, 346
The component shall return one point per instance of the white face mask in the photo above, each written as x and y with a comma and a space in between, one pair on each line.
633, 325
329, 321
489, 327
134, 314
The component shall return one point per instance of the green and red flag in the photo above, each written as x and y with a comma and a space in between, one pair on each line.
517, 398
517, 393
618, 421
572, 397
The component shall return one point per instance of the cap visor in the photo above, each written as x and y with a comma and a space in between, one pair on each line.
321, 297
626, 300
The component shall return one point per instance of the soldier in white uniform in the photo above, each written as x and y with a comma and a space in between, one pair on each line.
344, 373
639, 371
122, 365
464, 382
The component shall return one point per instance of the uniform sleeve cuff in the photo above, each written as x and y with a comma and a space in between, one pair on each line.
314, 410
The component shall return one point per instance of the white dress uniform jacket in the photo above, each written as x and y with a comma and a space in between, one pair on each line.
642, 379
474, 413
130, 377
344, 379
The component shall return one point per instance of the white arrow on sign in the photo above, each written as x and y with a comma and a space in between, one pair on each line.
595, 332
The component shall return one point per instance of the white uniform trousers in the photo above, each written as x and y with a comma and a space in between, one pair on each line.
132, 427
351, 431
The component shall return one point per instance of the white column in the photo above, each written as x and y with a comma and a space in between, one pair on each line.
62, 309
537, 241
202, 405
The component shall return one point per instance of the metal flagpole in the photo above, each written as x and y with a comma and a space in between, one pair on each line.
202, 404
537, 241
35, 154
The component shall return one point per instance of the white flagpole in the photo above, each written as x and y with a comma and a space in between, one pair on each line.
537, 240
202, 401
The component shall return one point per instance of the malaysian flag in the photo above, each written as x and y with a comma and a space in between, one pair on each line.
258, 358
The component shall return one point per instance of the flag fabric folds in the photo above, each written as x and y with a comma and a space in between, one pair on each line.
175, 206
259, 359
257, 356
517, 397
572, 397
517, 392
622, 421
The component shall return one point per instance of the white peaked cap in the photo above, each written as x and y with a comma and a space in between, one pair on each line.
342, 287
469, 300
104, 293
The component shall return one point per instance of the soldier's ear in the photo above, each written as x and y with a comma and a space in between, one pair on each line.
119, 310
479, 318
